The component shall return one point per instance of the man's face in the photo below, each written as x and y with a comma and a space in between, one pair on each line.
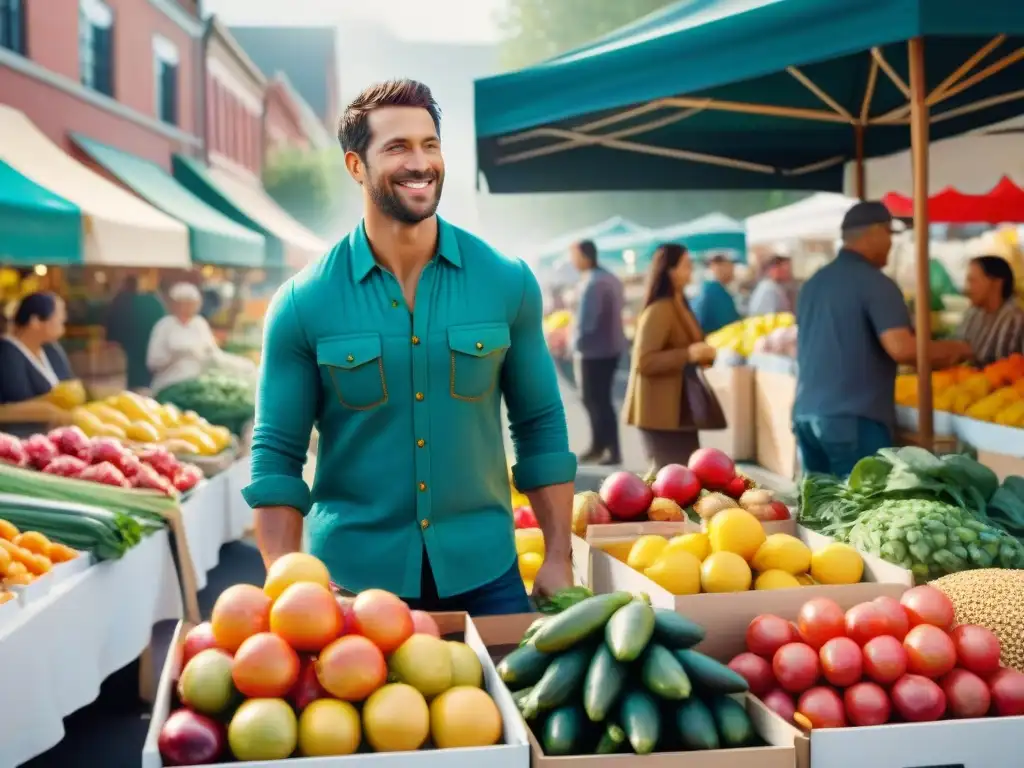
880, 240
782, 272
723, 271
404, 169
578, 259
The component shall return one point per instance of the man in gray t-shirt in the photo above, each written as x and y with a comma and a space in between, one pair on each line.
854, 332
772, 294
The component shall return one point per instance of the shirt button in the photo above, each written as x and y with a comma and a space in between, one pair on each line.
420, 443
394, 303
419, 396
415, 340
424, 524
350, 359
423, 487
479, 345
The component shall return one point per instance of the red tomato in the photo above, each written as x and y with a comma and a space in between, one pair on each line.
756, 671
796, 667
867, 704
820, 620
918, 699
1007, 687
885, 660
977, 649
841, 661
820, 707
927, 605
930, 651
966, 694
865, 621
897, 623
767, 633
781, 703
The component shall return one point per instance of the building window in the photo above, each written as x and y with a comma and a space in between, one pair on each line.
12, 25
165, 67
96, 45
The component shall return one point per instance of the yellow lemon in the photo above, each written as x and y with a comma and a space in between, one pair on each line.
697, 544
529, 540
645, 551
782, 552
736, 531
529, 564
725, 572
776, 579
837, 563
677, 571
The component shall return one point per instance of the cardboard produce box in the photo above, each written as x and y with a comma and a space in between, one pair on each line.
774, 394
734, 388
513, 752
501, 634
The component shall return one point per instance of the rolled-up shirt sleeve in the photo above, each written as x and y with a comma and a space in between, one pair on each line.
530, 386
287, 402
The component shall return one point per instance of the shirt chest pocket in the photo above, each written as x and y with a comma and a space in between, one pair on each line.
477, 352
355, 366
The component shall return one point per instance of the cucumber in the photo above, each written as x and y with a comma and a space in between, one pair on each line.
564, 731
675, 631
612, 740
641, 721
696, 725
733, 722
709, 674
629, 630
663, 675
606, 679
532, 630
519, 697
575, 624
561, 680
523, 667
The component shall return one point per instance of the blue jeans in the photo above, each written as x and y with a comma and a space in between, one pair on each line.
834, 444
505, 595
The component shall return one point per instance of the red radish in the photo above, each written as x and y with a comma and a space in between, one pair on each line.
423, 624
626, 495
779, 511
65, 466
15, 452
977, 649
1007, 687
896, 622
927, 605
105, 473
867, 704
885, 660
819, 620
188, 738
39, 450
841, 661
735, 487
713, 468
676, 482
523, 517
967, 695
930, 651
918, 699
781, 703
756, 671
199, 638
864, 622
820, 707
71, 441
796, 667
767, 633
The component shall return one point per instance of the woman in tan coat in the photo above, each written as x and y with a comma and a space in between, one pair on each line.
668, 338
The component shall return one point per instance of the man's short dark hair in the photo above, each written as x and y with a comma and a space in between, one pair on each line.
354, 129
777, 261
588, 249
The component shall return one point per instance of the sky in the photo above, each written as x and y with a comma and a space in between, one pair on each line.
435, 20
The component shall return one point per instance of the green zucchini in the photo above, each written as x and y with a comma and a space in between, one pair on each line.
523, 667
629, 630
532, 630
641, 721
663, 675
520, 696
733, 722
564, 731
696, 725
561, 681
612, 740
675, 631
709, 674
606, 679
575, 624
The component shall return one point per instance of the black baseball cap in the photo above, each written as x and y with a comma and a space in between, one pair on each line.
866, 214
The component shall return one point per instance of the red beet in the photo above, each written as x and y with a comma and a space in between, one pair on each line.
189, 738
626, 495
713, 468
676, 482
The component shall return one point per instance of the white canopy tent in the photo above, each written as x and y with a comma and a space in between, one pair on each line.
814, 218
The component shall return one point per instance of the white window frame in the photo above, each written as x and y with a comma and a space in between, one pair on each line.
164, 52
91, 14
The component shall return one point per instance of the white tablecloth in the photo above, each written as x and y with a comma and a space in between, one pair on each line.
203, 514
55, 652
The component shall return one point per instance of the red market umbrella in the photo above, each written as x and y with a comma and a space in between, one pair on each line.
1004, 203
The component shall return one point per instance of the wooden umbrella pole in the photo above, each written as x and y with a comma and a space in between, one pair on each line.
922, 303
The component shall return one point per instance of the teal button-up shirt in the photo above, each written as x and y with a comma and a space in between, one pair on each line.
408, 405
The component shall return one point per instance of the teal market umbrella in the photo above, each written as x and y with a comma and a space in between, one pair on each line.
555, 250
712, 232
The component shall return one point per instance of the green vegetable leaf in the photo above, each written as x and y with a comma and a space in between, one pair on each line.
869, 473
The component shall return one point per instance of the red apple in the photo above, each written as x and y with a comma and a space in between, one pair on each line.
199, 638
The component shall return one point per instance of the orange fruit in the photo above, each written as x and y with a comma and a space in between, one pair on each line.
265, 667
306, 616
383, 618
351, 668
8, 530
328, 727
33, 541
5, 561
396, 719
240, 612
59, 553
464, 717
293, 568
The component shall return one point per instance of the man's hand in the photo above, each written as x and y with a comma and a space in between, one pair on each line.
554, 575
57, 416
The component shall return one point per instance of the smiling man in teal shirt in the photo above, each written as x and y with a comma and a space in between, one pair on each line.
399, 345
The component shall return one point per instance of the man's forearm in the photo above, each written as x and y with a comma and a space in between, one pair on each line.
552, 505
278, 532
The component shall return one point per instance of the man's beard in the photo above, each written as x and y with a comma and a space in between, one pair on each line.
391, 205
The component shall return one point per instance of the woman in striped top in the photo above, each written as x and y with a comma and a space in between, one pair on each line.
994, 325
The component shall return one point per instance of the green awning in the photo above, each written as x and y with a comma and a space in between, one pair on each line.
36, 226
213, 237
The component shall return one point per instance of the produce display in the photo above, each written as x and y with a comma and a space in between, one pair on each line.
994, 599
612, 675
781, 341
292, 670
217, 398
881, 661
25, 556
743, 335
994, 394
735, 554
930, 515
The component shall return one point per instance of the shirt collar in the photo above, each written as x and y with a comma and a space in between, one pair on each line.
362, 255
